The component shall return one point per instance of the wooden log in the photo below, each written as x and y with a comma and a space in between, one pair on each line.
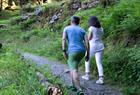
50, 88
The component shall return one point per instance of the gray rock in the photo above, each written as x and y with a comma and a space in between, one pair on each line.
76, 6
89, 4
59, 14
61, 10
38, 11
54, 18
25, 17
79, 9
84, 6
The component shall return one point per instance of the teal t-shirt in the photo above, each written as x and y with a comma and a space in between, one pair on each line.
75, 35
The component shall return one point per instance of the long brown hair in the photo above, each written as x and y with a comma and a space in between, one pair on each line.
93, 21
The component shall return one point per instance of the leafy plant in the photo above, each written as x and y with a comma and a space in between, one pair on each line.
16, 76
26, 24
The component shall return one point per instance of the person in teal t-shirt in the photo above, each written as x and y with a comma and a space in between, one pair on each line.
75, 36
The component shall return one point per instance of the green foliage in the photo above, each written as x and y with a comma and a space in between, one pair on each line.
27, 8
49, 46
106, 3
121, 22
26, 37
57, 83
16, 20
51, 8
26, 24
123, 65
126, 17
8, 14
16, 76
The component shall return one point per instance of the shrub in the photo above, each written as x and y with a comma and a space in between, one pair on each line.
120, 21
106, 3
16, 20
123, 65
50, 9
27, 8
16, 76
26, 24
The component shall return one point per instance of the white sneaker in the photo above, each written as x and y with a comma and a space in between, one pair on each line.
86, 77
100, 81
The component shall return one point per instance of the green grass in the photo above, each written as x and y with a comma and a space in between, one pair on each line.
117, 22
8, 14
120, 22
17, 77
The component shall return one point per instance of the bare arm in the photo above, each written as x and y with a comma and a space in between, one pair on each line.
87, 43
87, 39
87, 47
64, 38
90, 35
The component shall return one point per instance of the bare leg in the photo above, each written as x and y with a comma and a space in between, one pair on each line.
76, 79
71, 75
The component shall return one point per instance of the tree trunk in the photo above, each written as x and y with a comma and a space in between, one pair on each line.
0, 5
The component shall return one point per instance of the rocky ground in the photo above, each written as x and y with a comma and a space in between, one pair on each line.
61, 71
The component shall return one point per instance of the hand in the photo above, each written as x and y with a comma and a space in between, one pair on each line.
65, 55
87, 56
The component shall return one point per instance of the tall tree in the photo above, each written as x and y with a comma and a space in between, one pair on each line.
0, 5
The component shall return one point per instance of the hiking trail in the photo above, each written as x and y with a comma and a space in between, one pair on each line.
61, 70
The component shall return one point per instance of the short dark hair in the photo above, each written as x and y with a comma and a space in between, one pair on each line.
75, 19
93, 21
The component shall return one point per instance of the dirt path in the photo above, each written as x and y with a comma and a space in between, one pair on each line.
58, 69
